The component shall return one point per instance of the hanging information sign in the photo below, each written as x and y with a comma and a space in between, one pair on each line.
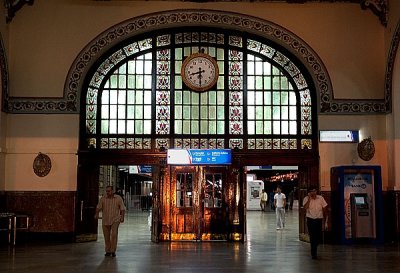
339, 136
199, 157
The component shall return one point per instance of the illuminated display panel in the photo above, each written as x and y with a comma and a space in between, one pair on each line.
359, 200
339, 136
199, 157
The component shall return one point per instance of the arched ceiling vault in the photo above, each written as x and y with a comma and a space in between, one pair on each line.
69, 103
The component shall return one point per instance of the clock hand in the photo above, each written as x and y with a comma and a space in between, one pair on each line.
198, 72
200, 76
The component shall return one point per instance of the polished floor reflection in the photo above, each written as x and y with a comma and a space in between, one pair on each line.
266, 250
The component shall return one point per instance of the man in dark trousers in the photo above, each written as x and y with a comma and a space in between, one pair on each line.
315, 206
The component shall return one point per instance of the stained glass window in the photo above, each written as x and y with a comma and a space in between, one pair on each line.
163, 93
184, 187
199, 113
126, 102
235, 87
136, 98
213, 191
271, 100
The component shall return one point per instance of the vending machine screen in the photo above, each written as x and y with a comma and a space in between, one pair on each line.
359, 200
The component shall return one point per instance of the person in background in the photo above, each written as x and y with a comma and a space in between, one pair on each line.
315, 206
280, 204
263, 200
113, 211
291, 198
271, 199
120, 193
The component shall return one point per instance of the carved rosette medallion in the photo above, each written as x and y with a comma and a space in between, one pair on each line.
42, 165
366, 149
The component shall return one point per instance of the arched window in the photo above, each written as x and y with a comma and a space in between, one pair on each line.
136, 98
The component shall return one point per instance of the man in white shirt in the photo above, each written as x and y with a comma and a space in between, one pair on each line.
280, 204
315, 206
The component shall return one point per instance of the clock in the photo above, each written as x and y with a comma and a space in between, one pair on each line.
199, 72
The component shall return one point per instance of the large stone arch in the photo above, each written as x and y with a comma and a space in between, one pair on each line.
70, 103
184, 18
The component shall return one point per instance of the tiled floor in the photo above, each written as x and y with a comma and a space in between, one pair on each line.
266, 250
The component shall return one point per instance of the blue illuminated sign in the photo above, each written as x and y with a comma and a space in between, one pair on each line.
145, 169
199, 157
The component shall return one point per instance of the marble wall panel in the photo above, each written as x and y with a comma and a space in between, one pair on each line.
50, 211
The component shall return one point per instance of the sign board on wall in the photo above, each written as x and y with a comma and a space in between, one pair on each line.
199, 157
338, 136
140, 169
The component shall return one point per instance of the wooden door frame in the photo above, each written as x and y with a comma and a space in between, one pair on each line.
85, 228
193, 210
223, 170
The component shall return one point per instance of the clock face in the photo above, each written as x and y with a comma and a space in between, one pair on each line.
199, 72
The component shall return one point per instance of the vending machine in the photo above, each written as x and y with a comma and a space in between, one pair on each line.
254, 189
357, 209
362, 216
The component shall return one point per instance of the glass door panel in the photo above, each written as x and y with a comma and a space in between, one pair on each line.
184, 186
215, 216
213, 191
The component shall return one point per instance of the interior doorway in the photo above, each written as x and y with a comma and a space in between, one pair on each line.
134, 183
286, 177
198, 205
268, 178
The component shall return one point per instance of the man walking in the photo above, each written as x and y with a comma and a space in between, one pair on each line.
113, 211
315, 206
263, 200
280, 204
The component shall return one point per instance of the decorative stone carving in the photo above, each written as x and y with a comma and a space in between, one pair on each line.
42, 165
366, 149
378, 7
12, 6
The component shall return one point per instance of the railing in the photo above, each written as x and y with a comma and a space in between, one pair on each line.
13, 222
